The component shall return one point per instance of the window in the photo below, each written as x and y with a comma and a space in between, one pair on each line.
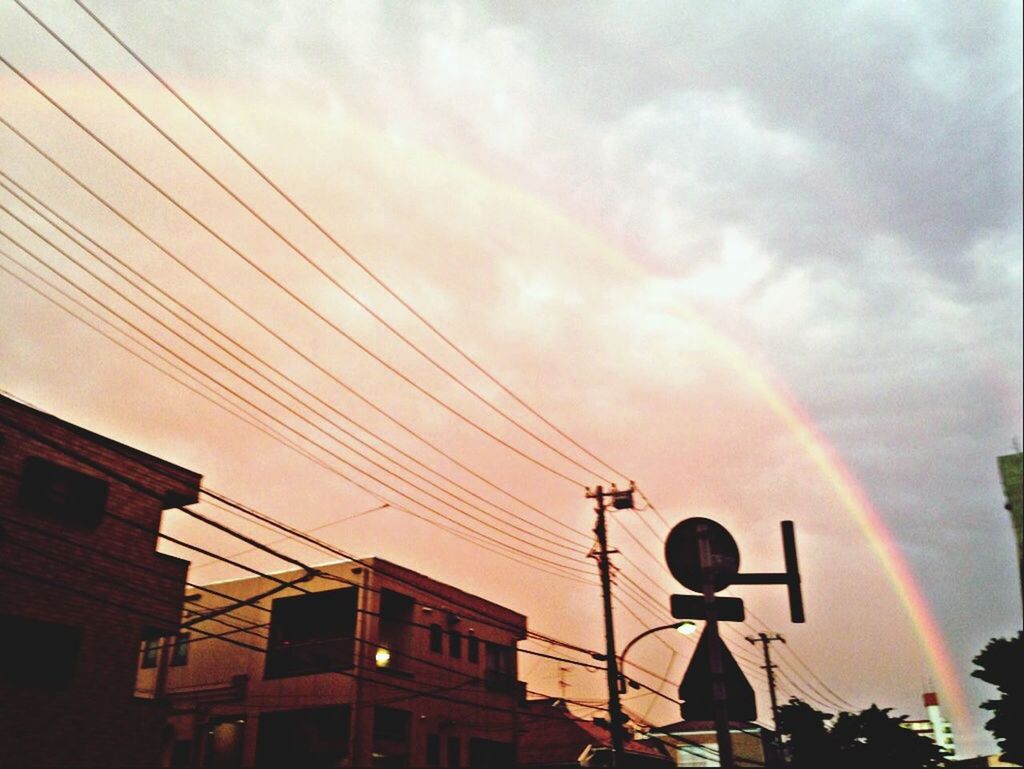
454, 753
433, 750
311, 633
698, 755
391, 736
499, 668
436, 639
307, 737
59, 492
181, 754
150, 652
395, 625
38, 652
179, 655
473, 648
491, 754
455, 644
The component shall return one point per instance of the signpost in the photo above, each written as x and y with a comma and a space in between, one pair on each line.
703, 556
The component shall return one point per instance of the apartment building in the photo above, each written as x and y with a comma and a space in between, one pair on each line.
359, 664
81, 585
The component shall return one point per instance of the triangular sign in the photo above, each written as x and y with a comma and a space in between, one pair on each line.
696, 690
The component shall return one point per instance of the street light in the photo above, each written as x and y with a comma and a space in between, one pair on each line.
685, 627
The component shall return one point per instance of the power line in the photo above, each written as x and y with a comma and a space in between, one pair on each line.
330, 278
788, 650
264, 392
121, 478
266, 328
256, 424
139, 487
302, 211
237, 395
291, 294
266, 365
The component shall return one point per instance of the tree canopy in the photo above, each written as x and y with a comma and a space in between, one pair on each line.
999, 664
872, 737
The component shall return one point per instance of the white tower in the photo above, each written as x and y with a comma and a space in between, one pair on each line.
942, 731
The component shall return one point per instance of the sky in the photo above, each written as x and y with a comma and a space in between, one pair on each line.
764, 259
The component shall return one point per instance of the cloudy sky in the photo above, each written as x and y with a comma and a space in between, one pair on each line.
671, 228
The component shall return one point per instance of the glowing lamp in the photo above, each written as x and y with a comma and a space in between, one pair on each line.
687, 627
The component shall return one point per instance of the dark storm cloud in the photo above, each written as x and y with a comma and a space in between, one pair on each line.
913, 111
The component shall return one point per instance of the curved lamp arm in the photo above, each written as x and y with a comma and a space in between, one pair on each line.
627, 647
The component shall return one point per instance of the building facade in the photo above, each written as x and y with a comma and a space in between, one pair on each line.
1011, 468
81, 585
358, 664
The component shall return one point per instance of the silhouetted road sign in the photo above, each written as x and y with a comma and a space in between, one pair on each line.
695, 607
682, 554
697, 691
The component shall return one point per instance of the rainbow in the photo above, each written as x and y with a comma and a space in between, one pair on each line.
855, 501
801, 426
852, 497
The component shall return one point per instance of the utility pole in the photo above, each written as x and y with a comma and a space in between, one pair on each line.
621, 500
766, 640
563, 671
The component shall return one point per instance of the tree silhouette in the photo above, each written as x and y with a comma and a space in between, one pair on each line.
870, 738
999, 664
809, 743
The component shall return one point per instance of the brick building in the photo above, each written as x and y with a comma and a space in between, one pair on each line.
362, 664
81, 585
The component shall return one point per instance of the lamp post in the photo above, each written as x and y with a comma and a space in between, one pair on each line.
686, 627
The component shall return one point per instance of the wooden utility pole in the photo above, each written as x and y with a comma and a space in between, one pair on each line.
621, 500
766, 640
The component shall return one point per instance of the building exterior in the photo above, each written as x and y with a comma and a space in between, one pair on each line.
359, 664
696, 742
935, 727
1010, 471
81, 585
553, 738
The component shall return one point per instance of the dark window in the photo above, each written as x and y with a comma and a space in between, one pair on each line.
454, 753
436, 639
489, 754
312, 633
473, 648
179, 655
38, 652
395, 626
308, 737
455, 644
150, 652
391, 737
181, 754
499, 668
433, 750
62, 493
